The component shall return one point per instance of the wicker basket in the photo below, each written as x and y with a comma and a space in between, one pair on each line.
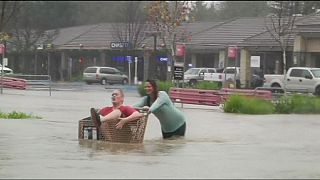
132, 132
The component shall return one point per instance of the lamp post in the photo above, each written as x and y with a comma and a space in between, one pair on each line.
154, 34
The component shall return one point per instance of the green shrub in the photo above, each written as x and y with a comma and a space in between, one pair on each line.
254, 105
17, 115
248, 105
299, 104
141, 90
162, 86
233, 104
283, 106
207, 85
77, 78
303, 104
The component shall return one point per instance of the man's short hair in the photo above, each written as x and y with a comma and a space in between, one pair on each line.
121, 92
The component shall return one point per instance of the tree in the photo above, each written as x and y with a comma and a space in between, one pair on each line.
204, 13
93, 12
280, 26
165, 18
8, 11
232, 9
131, 23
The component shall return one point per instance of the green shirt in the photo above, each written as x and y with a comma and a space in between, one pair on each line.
170, 117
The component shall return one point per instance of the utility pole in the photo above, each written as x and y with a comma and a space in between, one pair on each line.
3, 38
2, 47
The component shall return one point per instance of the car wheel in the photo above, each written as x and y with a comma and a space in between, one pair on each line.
192, 82
276, 90
103, 81
125, 81
317, 91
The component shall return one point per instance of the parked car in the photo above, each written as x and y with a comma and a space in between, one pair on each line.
194, 75
298, 79
104, 75
6, 70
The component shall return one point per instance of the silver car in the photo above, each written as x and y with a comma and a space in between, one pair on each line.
104, 75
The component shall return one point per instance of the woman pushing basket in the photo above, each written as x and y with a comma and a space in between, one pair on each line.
172, 120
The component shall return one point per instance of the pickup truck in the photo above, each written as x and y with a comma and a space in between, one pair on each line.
193, 75
298, 79
5, 70
228, 74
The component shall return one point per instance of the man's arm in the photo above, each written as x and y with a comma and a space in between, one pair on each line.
135, 115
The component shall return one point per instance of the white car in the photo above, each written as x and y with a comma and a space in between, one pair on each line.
6, 70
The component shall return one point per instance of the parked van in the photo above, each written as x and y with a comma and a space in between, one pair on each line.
104, 75
194, 75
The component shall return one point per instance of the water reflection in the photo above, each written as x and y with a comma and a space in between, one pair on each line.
148, 147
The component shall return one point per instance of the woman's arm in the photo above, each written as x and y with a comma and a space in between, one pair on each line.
161, 100
141, 103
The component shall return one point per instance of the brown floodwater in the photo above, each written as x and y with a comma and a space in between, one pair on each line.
216, 145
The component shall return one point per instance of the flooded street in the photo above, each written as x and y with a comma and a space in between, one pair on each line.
217, 145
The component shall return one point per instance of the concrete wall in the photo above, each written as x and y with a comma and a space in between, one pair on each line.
313, 45
222, 58
245, 70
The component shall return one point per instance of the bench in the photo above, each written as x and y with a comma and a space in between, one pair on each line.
195, 96
15, 83
213, 97
263, 94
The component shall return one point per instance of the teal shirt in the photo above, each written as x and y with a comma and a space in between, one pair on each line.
170, 117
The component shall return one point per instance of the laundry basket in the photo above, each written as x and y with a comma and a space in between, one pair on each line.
131, 132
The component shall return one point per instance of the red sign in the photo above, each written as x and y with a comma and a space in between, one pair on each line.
232, 52
1, 48
180, 50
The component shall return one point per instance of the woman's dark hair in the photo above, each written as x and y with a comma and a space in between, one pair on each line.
155, 88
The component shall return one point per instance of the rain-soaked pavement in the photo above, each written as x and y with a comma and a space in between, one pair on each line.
217, 145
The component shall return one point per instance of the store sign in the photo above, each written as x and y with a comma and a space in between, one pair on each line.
178, 72
255, 61
117, 45
162, 59
2, 48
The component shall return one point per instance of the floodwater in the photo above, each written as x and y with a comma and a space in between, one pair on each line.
217, 145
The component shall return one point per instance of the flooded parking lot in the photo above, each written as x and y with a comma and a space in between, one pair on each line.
217, 145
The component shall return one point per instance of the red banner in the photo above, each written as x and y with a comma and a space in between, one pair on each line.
1, 48
232, 52
180, 50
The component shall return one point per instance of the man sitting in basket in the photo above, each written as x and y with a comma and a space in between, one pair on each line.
117, 111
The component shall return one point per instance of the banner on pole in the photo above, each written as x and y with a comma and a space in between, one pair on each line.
2, 48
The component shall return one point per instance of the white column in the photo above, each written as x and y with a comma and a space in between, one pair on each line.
129, 72
136, 70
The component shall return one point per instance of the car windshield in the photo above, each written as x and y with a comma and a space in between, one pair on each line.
316, 73
192, 71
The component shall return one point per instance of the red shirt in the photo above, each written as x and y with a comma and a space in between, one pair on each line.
125, 110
